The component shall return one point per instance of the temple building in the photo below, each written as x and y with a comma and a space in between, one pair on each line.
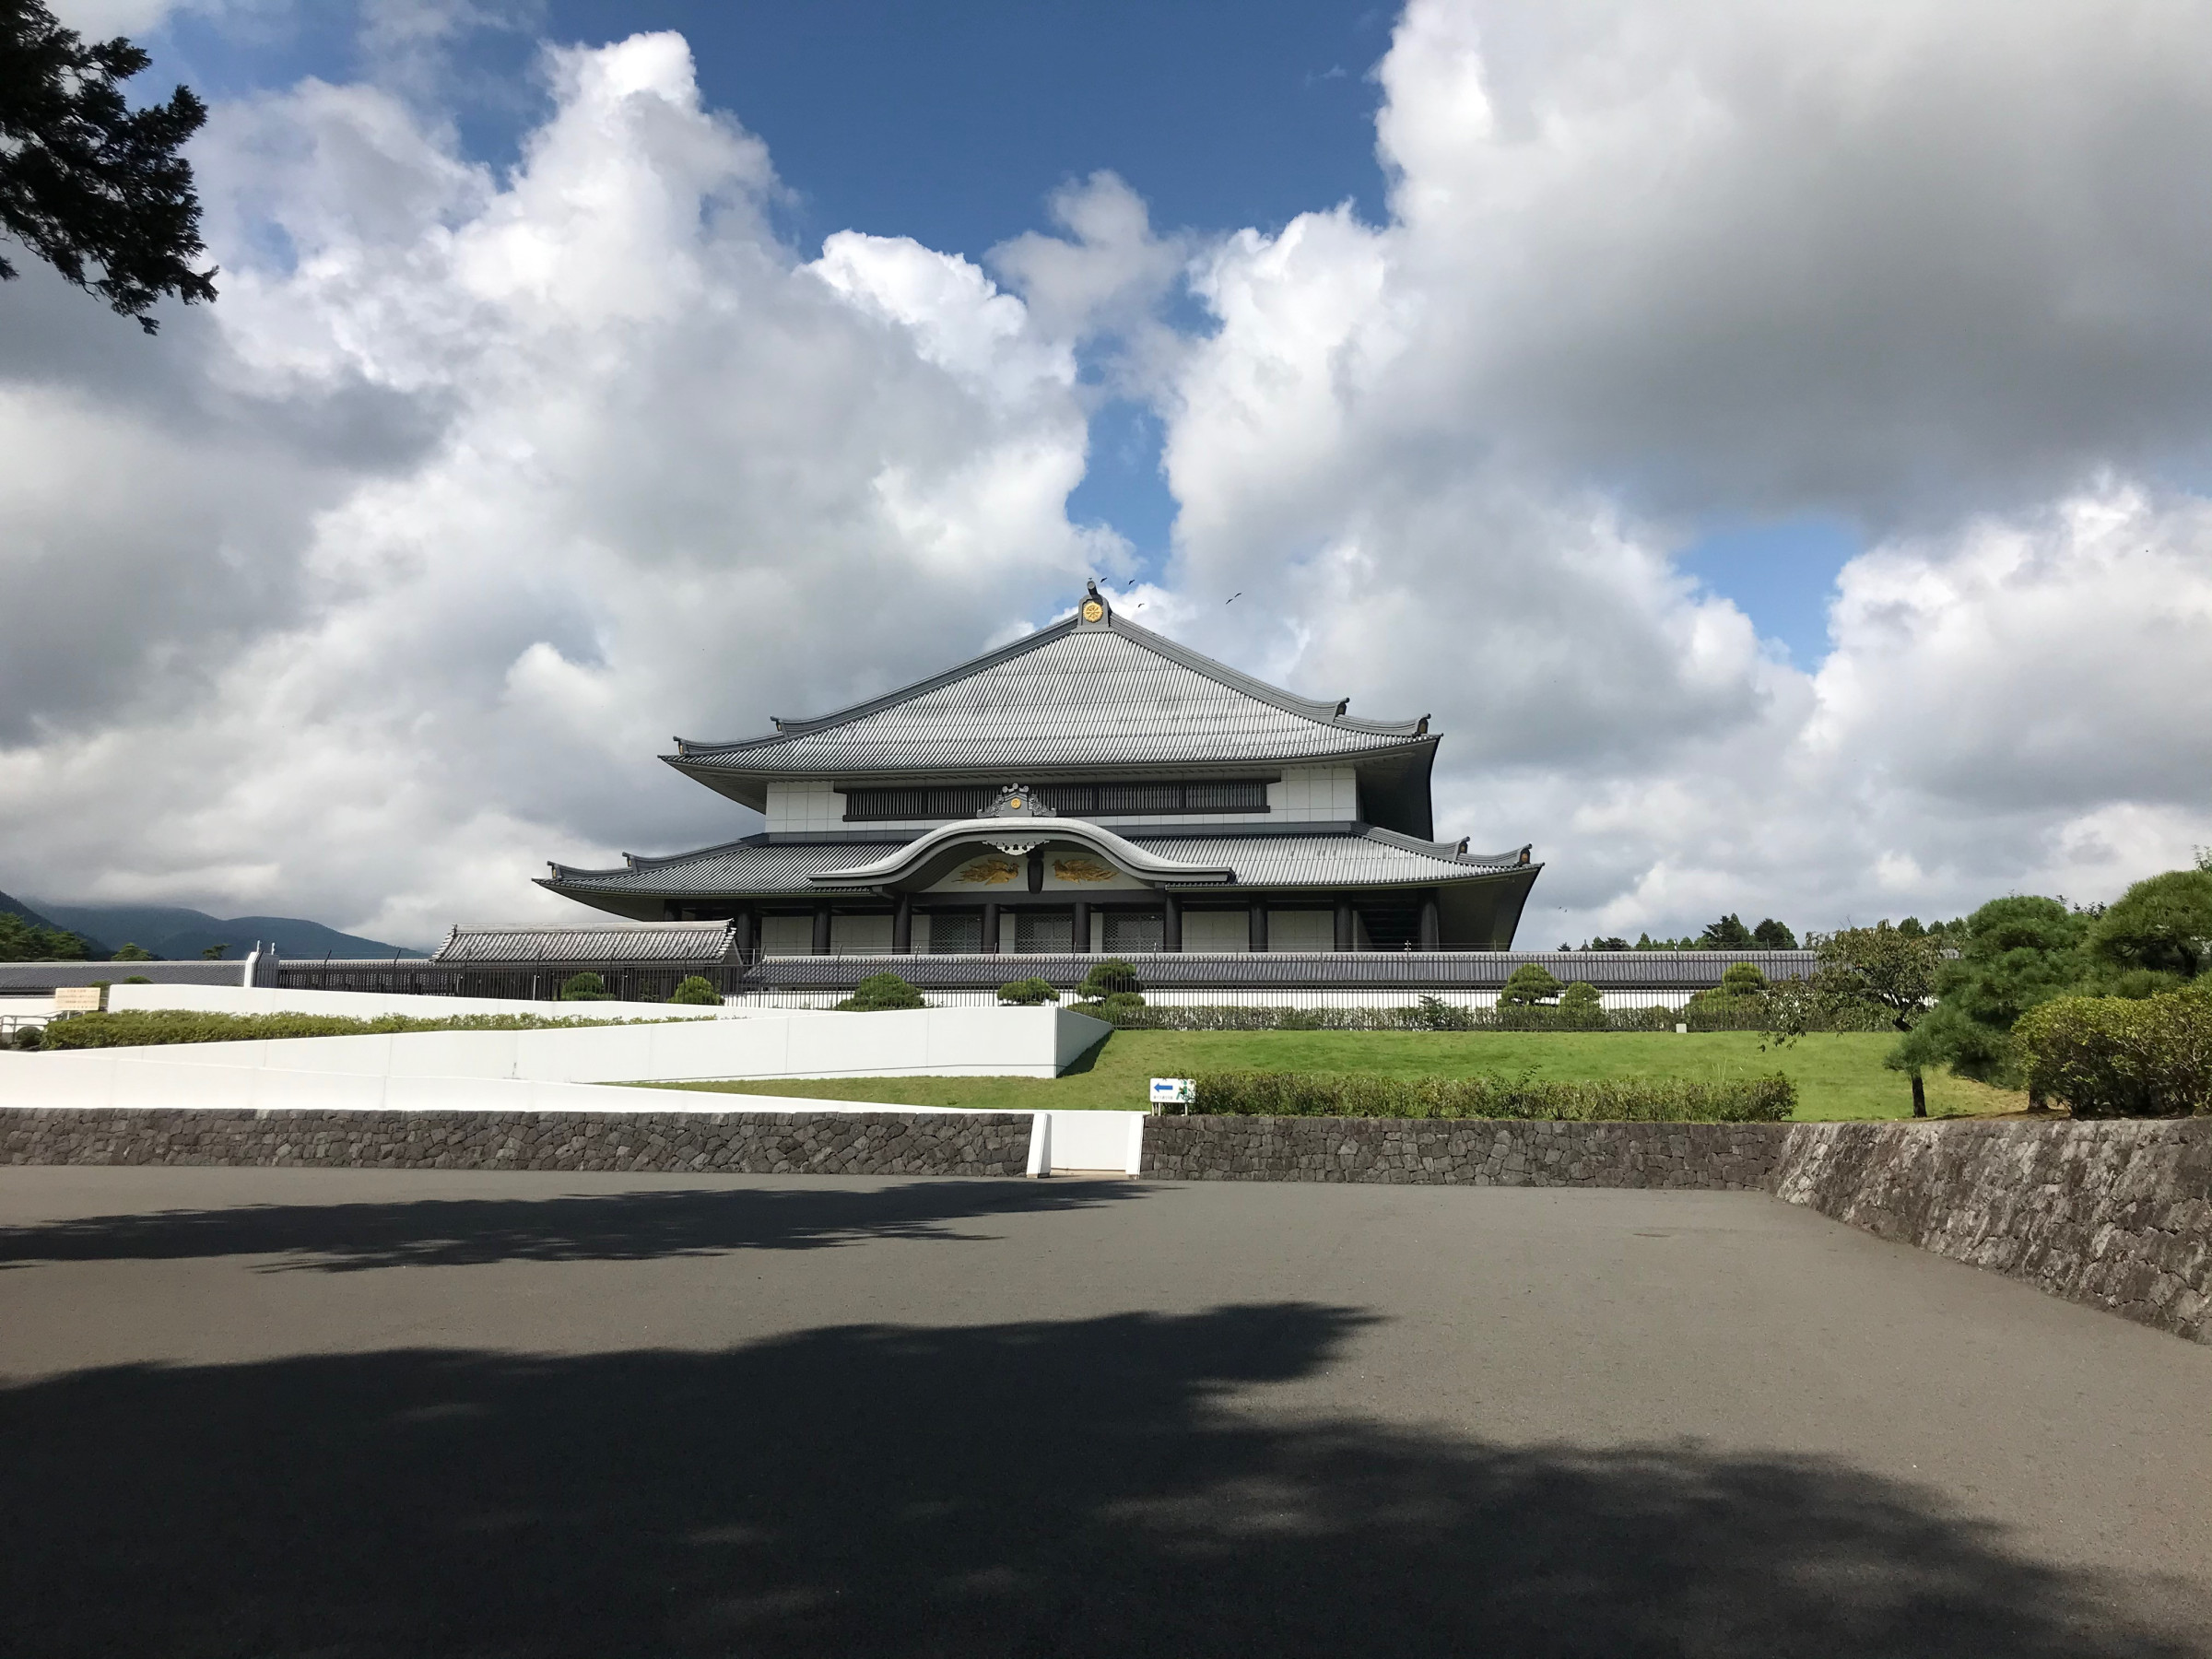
1091, 788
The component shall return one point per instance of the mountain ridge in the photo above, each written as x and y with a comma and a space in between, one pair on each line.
176, 933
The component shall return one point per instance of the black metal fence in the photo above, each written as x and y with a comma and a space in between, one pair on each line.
520, 981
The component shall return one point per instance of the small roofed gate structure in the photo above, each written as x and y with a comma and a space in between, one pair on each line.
635, 963
1094, 788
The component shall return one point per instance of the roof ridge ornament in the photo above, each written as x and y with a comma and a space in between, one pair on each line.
1017, 801
1094, 609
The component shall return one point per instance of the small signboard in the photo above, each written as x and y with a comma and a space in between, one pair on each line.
1172, 1091
76, 999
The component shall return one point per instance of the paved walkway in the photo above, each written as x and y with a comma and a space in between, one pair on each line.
292, 1412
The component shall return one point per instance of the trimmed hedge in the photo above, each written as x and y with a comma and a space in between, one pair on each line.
697, 991
2111, 1056
1363, 1095
148, 1026
1433, 1014
882, 994
1027, 993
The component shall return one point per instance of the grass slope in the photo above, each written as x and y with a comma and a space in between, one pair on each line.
1838, 1076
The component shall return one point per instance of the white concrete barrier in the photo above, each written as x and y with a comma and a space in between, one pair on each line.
938, 1042
1087, 1141
152, 1080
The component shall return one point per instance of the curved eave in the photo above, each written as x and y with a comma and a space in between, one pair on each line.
911, 860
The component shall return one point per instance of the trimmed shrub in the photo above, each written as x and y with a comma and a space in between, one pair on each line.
697, 991
2110, 1057
882, 994
1742, 979
585, 987
1107, 979
1582, 1007
1026, 993
155, 1026
26, 1037
1527, 986
1365, 1095
1434, 1014
1119, 1008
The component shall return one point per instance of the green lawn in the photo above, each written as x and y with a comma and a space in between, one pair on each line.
1838, 1075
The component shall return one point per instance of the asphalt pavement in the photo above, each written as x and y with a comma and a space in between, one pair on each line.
351, 1413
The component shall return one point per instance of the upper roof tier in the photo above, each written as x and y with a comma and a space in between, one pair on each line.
1080, 695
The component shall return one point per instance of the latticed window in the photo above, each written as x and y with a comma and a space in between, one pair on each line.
1131, 930
1042, 933
1068, 800
956, 932
964, 800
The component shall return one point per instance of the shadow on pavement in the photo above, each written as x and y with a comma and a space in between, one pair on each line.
615, 1227
1080, 1488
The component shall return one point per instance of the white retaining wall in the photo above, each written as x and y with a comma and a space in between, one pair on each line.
155, 1079
935, 1043
372, 1004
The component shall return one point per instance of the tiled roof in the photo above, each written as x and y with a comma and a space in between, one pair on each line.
1295, 969
611, 942
1366, 857
24, 978
1071, 696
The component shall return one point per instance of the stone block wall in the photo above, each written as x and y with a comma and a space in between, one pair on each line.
749, 1143
2116, 1214
1464, 1151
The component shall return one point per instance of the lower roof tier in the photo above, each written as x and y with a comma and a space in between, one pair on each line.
1069, 857
1047, 861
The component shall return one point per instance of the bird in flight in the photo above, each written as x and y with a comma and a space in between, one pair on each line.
1234, 597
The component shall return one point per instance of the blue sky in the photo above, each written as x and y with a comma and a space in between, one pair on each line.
639, 441
952, 125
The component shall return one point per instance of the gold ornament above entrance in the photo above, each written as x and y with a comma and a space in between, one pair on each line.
1083, 869
990, 872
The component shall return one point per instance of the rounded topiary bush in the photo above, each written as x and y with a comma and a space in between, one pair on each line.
1528, 986
1742, 979
585, 987
1109, 978
697, 990
1026, 993
1580, 1005
881, 994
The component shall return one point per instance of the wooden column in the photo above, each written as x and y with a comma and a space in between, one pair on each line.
902, 926
1170, 923
1080, 934
821, 930
1348, 927
1257, 926
990, 930
1432, 929
742, 925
